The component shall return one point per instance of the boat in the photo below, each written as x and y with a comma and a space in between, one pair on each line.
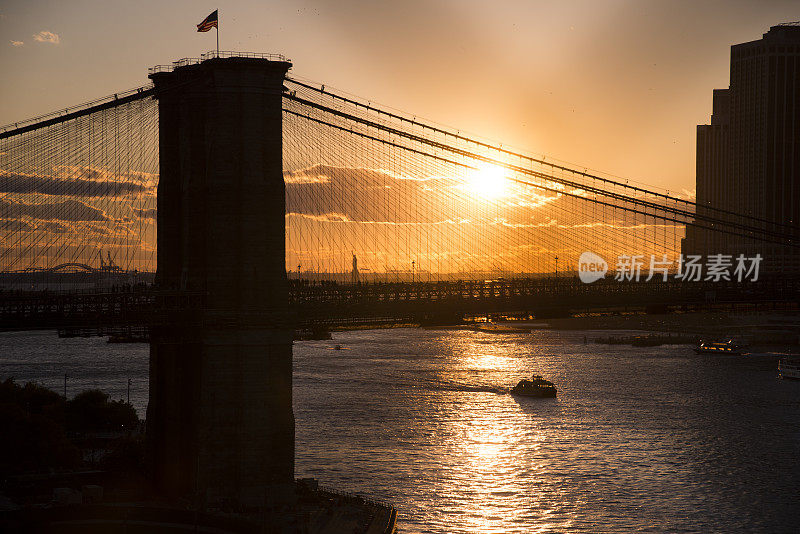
789, 368
719, 347
535, 387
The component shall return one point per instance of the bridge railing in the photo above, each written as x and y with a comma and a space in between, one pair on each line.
213, 55
330, 304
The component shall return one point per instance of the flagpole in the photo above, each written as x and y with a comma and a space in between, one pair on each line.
217, 27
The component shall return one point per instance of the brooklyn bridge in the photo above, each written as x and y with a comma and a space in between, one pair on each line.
386, 218
227, 203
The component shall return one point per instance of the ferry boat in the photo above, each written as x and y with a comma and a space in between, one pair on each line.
724, 347
789, 368
535, 387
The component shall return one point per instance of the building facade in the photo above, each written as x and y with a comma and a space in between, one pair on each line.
748, 157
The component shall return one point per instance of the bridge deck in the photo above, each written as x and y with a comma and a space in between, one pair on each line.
332, 304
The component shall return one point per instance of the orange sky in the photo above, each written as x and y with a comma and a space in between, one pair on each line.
614, 86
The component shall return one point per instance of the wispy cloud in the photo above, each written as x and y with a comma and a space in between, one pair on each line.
47, 37
73, 181
15, 225
68, 210
55, 227
342, 218
325, 217
16, 43
147, 213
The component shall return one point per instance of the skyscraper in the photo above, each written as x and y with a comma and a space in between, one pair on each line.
748, 158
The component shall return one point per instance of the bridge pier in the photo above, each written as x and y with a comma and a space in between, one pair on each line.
219, 422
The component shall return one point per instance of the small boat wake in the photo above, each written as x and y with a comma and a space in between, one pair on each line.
446, 385
482, 389
535, 387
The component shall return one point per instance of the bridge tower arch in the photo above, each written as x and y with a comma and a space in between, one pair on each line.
220, 421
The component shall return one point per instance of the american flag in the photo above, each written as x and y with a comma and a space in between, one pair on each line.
208, 23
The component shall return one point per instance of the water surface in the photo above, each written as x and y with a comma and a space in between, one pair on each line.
639, 439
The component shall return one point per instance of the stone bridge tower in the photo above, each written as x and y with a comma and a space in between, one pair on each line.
219, 421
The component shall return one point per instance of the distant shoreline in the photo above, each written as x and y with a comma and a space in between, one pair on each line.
772, 329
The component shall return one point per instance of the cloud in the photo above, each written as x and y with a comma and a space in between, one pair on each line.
47, 37
13, 225
97, 229
305, 176
325, 174
553, 223
71, 181
327, 193
144, 177
54, 227
325, 217
16, 43
341, 218
69, 210
147, 213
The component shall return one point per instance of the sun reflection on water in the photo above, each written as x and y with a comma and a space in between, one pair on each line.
493, 455
422, 419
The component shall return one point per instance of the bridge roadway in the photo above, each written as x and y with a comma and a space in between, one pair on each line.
328, 305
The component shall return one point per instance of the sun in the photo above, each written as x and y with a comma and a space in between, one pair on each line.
487, 182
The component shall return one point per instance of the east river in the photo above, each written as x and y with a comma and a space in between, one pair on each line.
639, 439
